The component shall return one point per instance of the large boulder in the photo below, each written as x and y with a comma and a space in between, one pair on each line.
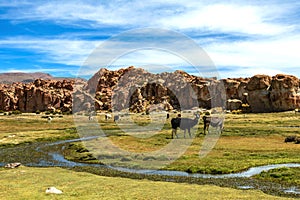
234, 104
284, 92
258, 89
273, 94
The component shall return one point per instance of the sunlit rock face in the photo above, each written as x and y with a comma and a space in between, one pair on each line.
138, 90
40, 95
272, 94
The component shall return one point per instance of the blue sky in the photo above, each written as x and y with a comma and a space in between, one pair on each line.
242, 38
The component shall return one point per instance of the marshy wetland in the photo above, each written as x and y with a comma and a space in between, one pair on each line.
248, 140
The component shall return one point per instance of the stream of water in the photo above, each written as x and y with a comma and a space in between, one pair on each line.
55, 158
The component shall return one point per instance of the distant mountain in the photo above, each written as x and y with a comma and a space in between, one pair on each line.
9, 78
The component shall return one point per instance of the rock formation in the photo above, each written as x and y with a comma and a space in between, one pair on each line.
40, 95
273, 94
140, 91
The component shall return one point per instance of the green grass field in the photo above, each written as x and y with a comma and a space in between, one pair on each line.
31, 183
18, 129
248, 140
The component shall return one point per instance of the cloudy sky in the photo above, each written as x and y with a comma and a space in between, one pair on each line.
242, 38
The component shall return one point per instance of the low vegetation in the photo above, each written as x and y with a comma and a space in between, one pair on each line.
20, 129
288, 176
31, 183
78, 153
248, 140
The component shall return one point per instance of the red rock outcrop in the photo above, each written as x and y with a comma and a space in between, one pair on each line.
39, 95
284, 92
137, 90
273, 94
140, 91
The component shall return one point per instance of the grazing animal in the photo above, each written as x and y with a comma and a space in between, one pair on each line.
107, 116
216, 122
183, 124
116, 118
90, 116
49, 119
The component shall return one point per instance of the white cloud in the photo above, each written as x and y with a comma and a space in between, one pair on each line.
41, 69
228, 18
272, 44
69, 52
80, 13
241, 58
214, 16
279, 55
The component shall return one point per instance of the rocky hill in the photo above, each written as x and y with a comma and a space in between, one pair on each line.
9, 78
141, 91
40, 95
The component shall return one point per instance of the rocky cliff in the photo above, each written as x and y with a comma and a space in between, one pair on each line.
141, 91
39, 95
272, 94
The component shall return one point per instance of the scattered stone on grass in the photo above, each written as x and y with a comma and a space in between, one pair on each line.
53, 190
12, 165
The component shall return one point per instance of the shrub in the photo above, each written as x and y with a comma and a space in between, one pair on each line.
237, 112
67, 113
147, 112
58, 112
16, 112
246, 108
37, 112
291, 138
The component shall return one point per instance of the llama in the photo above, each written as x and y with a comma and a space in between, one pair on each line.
116, 118
183, 124
91, 116
216, 122
49, 119
107, 116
